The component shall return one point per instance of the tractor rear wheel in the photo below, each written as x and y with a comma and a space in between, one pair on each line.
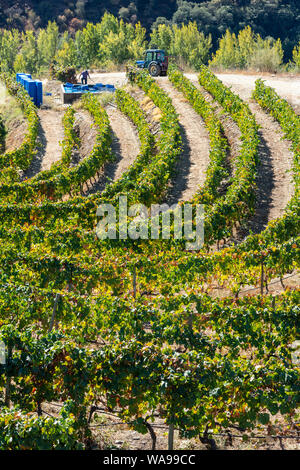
154, 69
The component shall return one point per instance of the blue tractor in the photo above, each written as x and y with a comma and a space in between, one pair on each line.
156, 61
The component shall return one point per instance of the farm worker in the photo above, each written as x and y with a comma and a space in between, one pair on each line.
84, 76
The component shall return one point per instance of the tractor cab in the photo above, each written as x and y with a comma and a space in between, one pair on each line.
156, 61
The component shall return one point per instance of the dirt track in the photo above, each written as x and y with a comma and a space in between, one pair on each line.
51, 133
87, 133
192, 165
275, 184
125, 146
286, 87
126, 143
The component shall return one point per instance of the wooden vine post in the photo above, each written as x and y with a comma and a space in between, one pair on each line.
134, 281
262, 277
57, 297
8, 380
29, 241
171, 437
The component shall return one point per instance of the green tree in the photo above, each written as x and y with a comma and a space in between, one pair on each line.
88, 42
248, 50
114, 48
137, 45
296, 55
162, 37
9, 48
227, 54
108, 23
191, 45
48, 43
67, 55
29, 51
246, 46
268, 56
19, 64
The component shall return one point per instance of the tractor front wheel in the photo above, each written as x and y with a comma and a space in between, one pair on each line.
154, 69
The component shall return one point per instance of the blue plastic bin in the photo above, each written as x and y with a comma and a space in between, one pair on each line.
39, 93
33, 87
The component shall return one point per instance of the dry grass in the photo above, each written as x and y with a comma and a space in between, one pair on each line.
106, 98
9, 108
53, 104
108, 67
156, 115
147, 102
149, 107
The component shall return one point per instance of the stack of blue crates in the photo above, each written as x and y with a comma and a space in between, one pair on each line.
33, 87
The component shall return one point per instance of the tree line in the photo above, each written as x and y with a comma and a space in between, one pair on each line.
275, 18
113, 42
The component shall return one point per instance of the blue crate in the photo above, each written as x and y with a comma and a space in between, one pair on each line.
20, 75
39, 93
33, 87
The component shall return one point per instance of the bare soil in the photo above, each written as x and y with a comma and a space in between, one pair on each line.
275, 186
16, 132
51, 134
152, 113
121, 437
15, 123
193, 162
231, 130
118, 79
125, 146
87, 133
274, 183
287, 86
109, 433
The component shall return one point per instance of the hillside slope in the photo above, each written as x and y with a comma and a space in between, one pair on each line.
71, 14
276, 18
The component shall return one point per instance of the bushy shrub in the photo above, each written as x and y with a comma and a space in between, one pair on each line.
266, 60
64, 74
21, 431
189, 45
248, 50
296, 56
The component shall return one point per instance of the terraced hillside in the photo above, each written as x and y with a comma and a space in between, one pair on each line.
143, 335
